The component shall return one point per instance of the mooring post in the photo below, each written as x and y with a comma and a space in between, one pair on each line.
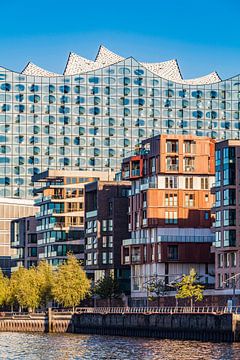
50, 322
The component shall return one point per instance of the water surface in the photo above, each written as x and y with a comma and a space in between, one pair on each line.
29, 346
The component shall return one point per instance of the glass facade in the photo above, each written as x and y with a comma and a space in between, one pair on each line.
92, 120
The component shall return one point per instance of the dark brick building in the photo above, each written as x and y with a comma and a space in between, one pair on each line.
106, 225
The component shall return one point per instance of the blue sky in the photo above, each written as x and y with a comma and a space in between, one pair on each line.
203, 35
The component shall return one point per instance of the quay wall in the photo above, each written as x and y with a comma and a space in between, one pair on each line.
205, 327
184, 326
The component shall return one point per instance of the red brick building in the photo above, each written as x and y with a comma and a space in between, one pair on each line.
169, 210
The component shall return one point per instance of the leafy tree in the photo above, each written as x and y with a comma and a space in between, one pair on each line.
45, 281
24, 288
156, 287
189, 287
107, 288
70, 284
4, 284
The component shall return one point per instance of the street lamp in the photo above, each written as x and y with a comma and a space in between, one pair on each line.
234, 283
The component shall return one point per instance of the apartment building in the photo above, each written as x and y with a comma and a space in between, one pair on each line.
226, 227
106, 225
169, 210
61, 217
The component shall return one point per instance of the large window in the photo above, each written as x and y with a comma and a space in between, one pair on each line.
189, 200
172, 146
171, 200
172, 251
171, 217
230, 238
171, 182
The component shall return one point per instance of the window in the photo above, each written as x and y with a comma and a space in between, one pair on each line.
189, 200
220, 260
110, 225
104, 241
218, 219
229, 217
172, 146
171, 217
189, 146
217, 239
189, 164
171, 200
229, 197
95, 258
104, 225
104, 258
110, 241
173, 252
89, 259
204, 183
172, 163
110, 257
206, 198
189, 183
171, 182
220, 280
206, 215
229, 238
233, 259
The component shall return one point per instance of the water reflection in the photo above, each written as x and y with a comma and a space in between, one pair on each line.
27, 346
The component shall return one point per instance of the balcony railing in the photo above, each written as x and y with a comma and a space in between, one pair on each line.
90, 214
136, 258
189, 168
172, 167
135, 172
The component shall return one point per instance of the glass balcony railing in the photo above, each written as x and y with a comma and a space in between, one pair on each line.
135, 172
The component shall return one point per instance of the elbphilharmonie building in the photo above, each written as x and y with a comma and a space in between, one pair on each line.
97, 111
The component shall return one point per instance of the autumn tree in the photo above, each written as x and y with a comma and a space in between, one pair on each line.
24, 288
70, 284
107, 288
189, 287
44, 272
4, 284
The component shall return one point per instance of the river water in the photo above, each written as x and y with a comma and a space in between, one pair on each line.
31, 346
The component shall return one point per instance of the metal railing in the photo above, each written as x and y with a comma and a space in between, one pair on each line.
161, 310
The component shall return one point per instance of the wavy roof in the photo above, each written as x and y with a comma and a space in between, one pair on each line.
77, 64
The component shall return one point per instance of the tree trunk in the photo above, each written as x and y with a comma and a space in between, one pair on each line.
191, 302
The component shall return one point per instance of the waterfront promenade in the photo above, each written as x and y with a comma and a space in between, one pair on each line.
200, 323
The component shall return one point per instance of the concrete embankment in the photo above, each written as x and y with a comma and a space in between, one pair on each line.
188, 326
205, 327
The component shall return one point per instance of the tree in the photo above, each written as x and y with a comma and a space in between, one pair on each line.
70, 284
188, 287
45, 282
24, 288
4, 284
107, 288
158, 287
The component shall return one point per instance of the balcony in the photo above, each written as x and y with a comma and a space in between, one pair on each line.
172, 167
136, 258
189, 168
92, 213
135, 172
